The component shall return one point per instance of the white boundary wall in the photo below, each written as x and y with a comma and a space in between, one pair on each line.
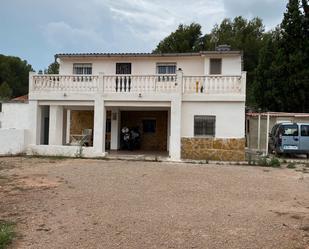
12, 141
15, 115
60, 150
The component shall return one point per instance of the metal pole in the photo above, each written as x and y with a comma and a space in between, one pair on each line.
259, 131
267, 133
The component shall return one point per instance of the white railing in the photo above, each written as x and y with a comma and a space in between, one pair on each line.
72, 83
116, 84
212, 84
139, 83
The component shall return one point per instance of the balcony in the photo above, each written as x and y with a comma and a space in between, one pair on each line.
119, 85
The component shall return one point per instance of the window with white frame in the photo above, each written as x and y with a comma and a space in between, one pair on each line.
166, 68
82, 68
215, 66
204, 125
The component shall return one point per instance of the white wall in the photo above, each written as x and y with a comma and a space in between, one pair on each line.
12, 141
15, 115
231, 64
230, 118
191, 65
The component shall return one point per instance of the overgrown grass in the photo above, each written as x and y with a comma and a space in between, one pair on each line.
265, 162
291, 165
6, 233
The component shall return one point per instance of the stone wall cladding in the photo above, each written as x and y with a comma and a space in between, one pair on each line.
219, 149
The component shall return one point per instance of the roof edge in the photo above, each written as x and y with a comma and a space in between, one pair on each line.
59, 55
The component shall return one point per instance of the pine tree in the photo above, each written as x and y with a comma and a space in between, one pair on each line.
5, 91
287, 78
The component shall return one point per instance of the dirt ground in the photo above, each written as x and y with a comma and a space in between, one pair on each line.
79, 203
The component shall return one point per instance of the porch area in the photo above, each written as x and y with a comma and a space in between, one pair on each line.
95, 129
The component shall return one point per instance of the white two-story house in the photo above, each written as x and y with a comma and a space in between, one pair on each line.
188, 105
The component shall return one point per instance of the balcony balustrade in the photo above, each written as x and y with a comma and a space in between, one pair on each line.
122, 84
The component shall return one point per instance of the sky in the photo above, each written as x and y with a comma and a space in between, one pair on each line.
35, 30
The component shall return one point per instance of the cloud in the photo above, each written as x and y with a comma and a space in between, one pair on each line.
271, 11
61, 35
53, 26
138, 25
152, 20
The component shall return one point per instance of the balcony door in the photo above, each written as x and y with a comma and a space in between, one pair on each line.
123, 83
123, 68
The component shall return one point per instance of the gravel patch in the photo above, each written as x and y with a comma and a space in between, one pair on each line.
82, 203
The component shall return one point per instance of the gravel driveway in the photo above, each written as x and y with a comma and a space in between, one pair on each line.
79, 203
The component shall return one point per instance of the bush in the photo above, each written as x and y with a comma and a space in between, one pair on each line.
266, 162
262, 161
291, 166
6, 234
274, 162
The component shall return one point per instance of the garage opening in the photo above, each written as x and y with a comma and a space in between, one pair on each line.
152, 127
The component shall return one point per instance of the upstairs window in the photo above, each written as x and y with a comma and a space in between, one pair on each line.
215, 66
204, 125
166, 68
82, 68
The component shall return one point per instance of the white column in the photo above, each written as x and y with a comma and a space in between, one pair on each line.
35, 122
68, 126
175, 121
267, 133
99, 125
243, 82
115, 129
55, 125
175, 136
168, 129
259, 132
31, 87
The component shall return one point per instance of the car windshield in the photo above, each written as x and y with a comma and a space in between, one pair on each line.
289, 130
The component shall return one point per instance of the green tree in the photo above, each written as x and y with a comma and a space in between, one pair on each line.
15, 72
288, 71
187, 38
53, 68
5, 91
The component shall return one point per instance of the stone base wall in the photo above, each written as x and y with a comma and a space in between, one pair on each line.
219, 149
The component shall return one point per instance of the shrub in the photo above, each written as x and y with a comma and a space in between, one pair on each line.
266, 162
274, 162
291, 165
6, 234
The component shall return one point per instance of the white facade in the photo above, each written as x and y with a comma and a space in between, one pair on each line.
192, 90
230, 118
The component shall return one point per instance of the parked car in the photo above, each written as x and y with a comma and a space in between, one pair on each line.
289, 138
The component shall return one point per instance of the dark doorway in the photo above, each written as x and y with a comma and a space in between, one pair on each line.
123, 68
123, 82
152, 126
46, 130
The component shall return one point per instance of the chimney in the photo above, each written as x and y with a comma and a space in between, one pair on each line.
223, 47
